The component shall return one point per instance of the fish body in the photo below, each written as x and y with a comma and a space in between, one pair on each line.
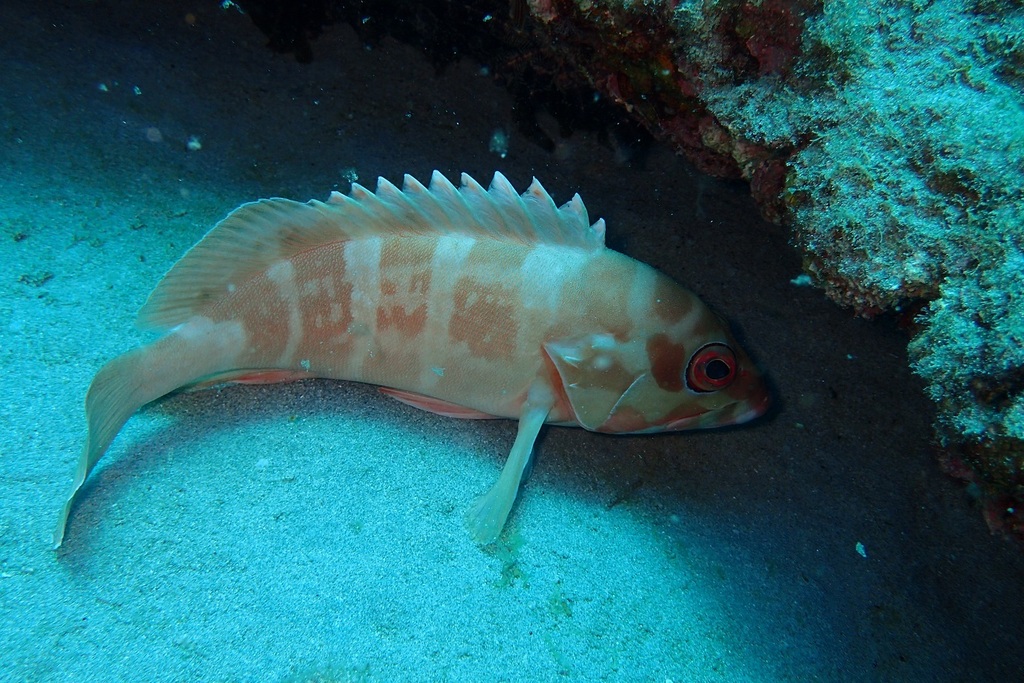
469, 302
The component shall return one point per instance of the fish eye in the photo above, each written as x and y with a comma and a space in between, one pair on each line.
711, 368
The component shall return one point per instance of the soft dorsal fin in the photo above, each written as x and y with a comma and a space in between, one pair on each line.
255, 235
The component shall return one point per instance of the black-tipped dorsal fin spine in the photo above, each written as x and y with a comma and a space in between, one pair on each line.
256, 235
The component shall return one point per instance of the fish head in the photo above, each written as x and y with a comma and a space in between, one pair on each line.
691, 374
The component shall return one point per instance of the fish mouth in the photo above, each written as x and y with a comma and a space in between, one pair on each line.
756, 406
737, 413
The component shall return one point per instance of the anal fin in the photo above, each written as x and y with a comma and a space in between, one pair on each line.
435, 405
252, 377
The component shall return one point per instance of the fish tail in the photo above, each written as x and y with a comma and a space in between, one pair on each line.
120, 388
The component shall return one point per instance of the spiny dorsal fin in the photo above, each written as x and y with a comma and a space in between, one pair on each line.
255, 235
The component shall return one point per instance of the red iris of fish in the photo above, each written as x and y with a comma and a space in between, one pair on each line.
711, 368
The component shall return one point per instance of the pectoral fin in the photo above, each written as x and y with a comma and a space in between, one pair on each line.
489, 513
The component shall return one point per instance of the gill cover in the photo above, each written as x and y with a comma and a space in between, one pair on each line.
653, 384
605, 381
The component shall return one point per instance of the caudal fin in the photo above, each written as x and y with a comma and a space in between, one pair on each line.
114, 395
132, 380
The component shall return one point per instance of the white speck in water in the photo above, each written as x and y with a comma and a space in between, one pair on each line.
499, 143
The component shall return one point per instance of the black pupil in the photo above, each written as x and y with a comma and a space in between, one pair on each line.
716, 369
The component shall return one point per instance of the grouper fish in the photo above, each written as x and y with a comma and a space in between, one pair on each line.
464, 301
